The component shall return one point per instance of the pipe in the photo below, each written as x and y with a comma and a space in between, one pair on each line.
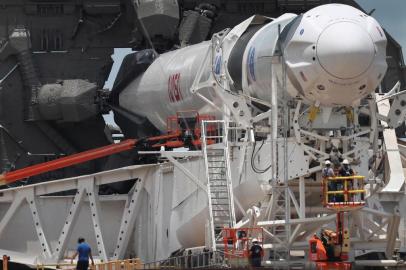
379, 263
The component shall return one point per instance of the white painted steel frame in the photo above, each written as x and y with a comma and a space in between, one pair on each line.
85, 186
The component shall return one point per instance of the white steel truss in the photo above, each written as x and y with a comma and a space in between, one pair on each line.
86, 192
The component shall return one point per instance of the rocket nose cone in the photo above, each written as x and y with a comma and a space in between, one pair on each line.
345, 50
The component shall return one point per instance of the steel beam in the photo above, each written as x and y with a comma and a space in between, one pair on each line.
130, 213
69, 223
33, 202
186, 172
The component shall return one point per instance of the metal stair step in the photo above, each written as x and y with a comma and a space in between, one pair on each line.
216, 199
217, 202
215, 150
222, 216
222, 219
221, 225
215, 183
213, 137
220, 196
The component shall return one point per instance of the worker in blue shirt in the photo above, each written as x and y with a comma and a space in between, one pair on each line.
84, 251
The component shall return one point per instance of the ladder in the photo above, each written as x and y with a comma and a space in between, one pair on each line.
219, 185
281, 211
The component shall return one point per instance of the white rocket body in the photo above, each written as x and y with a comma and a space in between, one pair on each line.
334, 55
163, 89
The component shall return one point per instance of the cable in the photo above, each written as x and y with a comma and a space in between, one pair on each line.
253, 155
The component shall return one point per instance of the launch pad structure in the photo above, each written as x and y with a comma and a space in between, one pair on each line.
263, 171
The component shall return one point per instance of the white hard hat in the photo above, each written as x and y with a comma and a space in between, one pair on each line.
327, 162
345, 161
254, 240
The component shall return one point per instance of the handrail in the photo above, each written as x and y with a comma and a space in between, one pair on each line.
354, 177
346, 187
199, 260
128, 264
354, 191
56, 265
189, 261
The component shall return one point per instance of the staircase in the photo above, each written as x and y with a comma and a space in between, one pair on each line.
219, 185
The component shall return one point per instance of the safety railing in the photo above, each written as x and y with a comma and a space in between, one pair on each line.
197, 260
343, 191
130, 264
64, 266
238, 241
208, 259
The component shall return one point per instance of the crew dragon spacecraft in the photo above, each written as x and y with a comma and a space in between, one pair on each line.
334, 54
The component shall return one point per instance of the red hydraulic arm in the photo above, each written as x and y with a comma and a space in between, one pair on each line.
14, 176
